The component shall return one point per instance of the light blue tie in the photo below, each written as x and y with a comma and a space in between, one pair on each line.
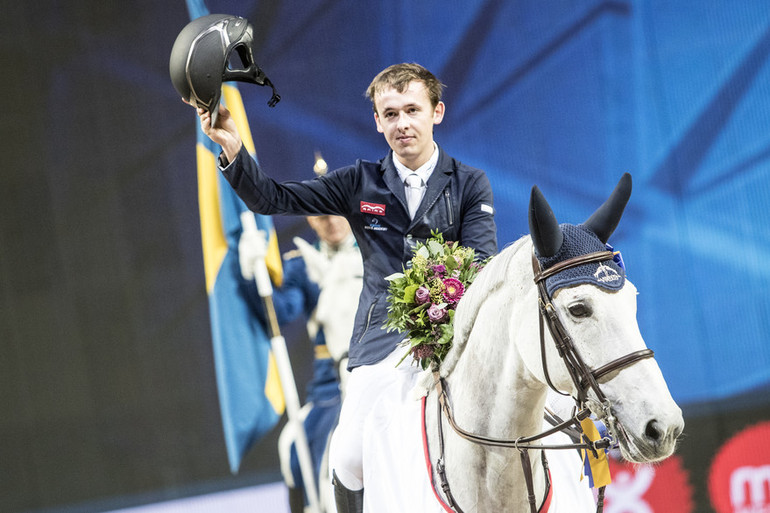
414, 191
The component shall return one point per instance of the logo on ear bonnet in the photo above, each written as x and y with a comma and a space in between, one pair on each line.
606, 274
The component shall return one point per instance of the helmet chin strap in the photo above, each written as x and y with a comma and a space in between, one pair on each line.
251, 74
275, 98
261, 79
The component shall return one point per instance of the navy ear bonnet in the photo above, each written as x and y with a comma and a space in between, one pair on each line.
579, 240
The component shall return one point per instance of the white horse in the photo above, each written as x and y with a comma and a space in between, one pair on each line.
497, 375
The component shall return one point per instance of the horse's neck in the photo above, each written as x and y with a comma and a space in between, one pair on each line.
512, 397
502, 336
493, 393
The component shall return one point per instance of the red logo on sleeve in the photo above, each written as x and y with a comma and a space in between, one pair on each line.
372, 208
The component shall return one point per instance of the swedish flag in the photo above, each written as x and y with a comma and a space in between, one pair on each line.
250, 395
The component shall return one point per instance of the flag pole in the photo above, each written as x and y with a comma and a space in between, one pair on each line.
285, 372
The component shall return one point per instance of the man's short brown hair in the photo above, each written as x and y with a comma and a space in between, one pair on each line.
398, 76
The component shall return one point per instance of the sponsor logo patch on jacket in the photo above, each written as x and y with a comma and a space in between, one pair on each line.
374, 225
372, 208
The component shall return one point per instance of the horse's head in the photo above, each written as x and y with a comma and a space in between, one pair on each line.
595, 308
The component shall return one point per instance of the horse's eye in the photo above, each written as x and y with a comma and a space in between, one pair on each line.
579, 310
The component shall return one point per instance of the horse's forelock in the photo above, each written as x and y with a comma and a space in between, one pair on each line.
491, 278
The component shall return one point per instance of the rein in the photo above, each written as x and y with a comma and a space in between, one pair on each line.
582, 376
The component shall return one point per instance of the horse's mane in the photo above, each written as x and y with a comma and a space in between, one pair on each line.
490, 279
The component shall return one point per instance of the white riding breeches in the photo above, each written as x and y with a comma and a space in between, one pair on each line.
362, 391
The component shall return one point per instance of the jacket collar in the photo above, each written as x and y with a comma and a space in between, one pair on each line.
436, 183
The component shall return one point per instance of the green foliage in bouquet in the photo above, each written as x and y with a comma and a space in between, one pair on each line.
422, 299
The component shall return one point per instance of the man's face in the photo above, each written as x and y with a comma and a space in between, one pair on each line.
330, 229
406, 119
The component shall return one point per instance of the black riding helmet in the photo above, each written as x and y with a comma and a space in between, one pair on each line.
203, 55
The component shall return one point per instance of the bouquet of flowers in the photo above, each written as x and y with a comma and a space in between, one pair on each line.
422, 299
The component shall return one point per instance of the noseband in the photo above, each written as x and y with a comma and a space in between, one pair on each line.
582, 377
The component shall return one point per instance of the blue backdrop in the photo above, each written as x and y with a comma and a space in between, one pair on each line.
569, 95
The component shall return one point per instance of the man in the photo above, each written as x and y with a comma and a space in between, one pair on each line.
446, 195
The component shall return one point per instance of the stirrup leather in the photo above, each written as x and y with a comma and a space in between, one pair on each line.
348, 501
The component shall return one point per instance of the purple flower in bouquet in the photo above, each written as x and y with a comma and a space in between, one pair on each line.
453, 290
438, 269
436, 313
422, 295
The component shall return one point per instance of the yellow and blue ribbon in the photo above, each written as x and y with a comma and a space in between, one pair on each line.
596, 466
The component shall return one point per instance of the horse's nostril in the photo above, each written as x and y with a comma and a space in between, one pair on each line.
653, 431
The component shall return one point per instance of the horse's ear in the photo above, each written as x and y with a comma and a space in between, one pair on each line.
543, 226
606, 218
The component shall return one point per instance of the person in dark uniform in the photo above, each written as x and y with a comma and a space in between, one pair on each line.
321, 284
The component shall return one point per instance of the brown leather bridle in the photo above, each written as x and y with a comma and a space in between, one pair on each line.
582, 377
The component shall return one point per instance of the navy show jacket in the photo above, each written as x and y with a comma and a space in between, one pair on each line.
457, 202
